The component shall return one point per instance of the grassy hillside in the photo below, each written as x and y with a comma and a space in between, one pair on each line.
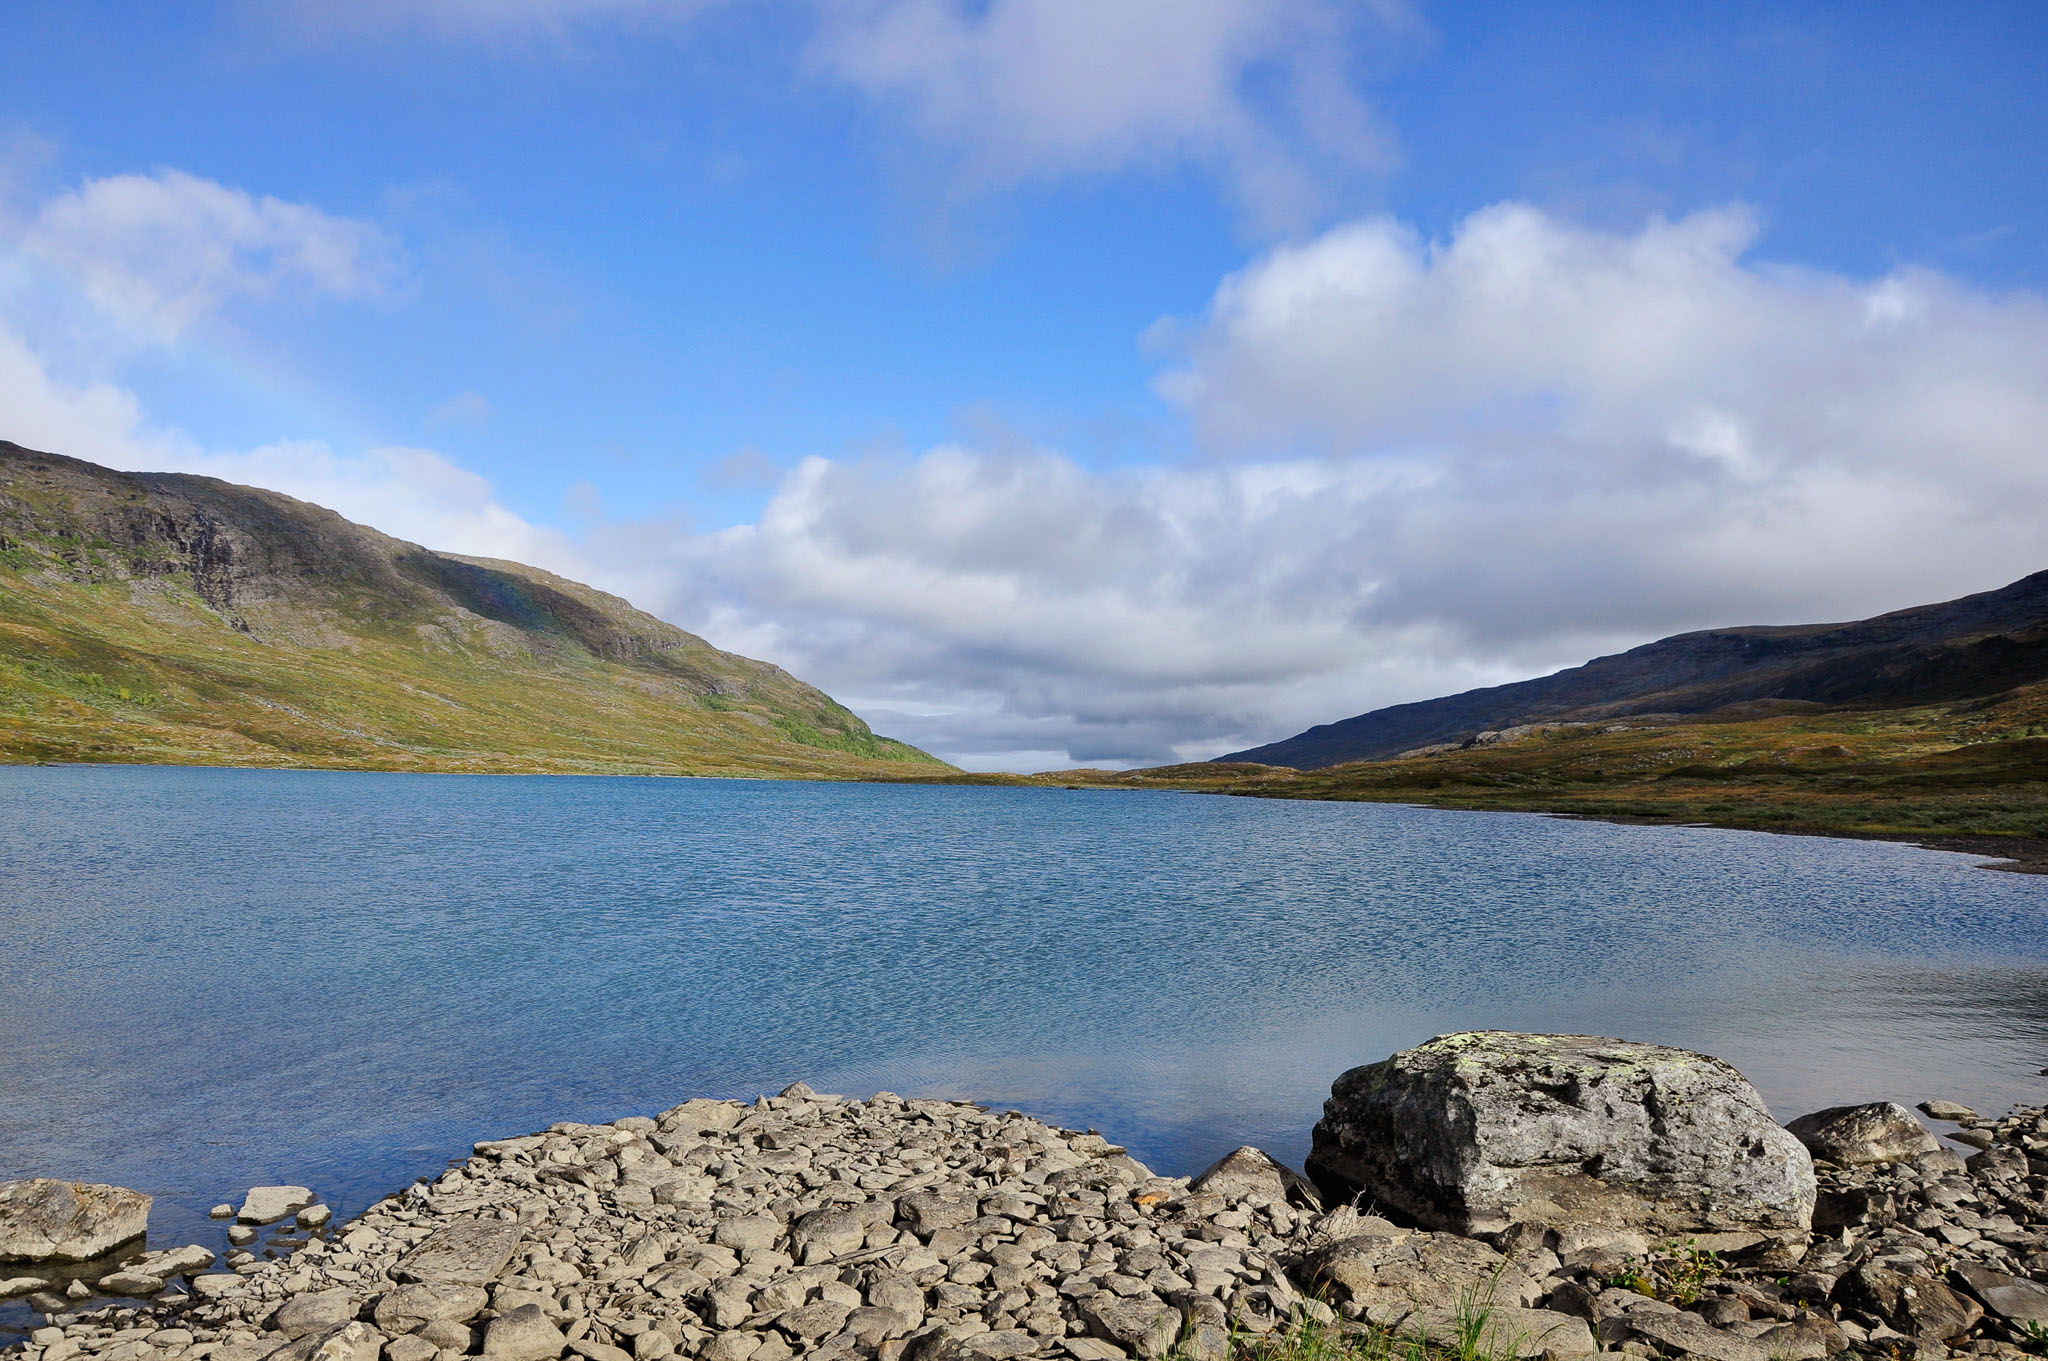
164, 618
1965, 774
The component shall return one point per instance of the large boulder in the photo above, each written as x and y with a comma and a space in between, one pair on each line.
1473, 1132
42, 1220
1858, 1136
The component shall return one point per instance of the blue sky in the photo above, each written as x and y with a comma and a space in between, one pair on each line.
1059, 382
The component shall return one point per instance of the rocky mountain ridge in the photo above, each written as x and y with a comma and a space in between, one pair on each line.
1979, 645
163, 616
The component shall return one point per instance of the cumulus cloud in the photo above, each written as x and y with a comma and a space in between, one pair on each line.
1448, 464
163, 251
1032, 89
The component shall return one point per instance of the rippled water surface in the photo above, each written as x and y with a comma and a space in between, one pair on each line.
212, 979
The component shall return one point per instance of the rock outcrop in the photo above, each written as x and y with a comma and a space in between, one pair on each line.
1857, 1136
1600, 1138
43, 1220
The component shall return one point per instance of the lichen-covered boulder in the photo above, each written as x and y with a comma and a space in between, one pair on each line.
1473, 1132
42, 1220
1858, 1136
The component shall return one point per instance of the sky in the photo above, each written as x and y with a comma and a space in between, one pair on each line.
1063, 382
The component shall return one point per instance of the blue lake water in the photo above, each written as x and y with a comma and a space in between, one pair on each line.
213, 979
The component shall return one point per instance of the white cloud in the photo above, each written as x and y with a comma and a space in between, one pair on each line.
1457, 463
1023, 90
163, 251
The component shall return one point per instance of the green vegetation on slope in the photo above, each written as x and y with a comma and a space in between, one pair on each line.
157, 618
1969, 774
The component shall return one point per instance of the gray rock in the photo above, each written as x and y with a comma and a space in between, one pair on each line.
449, 1336
410, 1308
1810, 1338
350, 1342
222, 1211
176, 1261
44, 1220
2000, 1162
926, 1211
1504, 1332
824, 1234
2013, 1298
746, 1233
874, 1325
471, 1253
1937, 1109
1143, 1326
1915, 1305
524, 1334
314, 1216
1006, 1345
1476, 1131
731, 1346
1858, 1136
819, 1319
318, 1313
218, 1286
1255, 1175
11, 1286
410, 1349
268, 1204
135, 1284
1682, 1333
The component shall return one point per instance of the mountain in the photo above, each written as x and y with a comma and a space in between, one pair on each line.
168, 618
1962, 649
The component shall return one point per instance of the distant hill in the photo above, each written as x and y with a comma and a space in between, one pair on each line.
164, 617
1963, 649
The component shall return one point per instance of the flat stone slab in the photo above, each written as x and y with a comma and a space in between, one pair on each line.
1508, 1331
2013, 1298
472, 1253
44, 1220
268, 1204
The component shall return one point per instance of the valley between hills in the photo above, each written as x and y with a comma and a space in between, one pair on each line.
169, 619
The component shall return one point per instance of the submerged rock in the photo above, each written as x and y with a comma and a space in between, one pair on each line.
44, 1220
1474, 1132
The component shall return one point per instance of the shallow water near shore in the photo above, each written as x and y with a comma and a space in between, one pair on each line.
212, 979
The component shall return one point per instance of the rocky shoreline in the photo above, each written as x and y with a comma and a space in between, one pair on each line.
921, 1230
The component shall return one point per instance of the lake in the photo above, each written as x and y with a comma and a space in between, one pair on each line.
211, 979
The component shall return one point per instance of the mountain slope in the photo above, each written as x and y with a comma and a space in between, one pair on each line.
164, 617
1961, 649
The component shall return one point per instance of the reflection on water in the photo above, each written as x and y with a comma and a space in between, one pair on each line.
213, 979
